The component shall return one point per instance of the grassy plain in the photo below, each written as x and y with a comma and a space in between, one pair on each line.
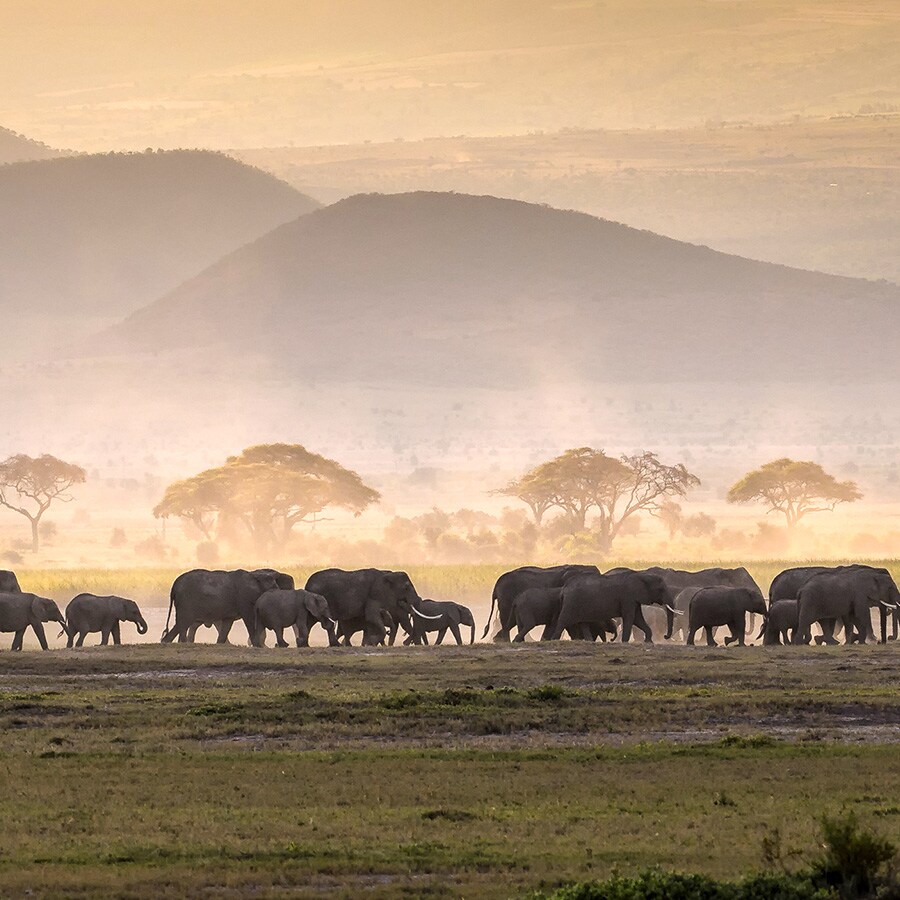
476, 771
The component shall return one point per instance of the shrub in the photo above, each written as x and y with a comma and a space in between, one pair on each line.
853, 857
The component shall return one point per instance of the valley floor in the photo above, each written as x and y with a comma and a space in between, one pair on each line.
477, 771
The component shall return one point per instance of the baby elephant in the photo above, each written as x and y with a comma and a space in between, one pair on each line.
280, 609
19, 611
87, 614
729, 606
445, 616
782, 622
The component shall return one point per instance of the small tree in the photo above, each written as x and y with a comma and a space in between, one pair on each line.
29, 486
670, 514
793, 488
268, 489
583, 480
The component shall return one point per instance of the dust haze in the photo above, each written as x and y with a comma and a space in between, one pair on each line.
295, 225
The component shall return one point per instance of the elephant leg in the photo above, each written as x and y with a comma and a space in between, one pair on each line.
71, 639
279, 637
38, 629
692, 631
224, 629
18, 638
104, 637
627, 625
454, 630
710, 638
81, 636
828, 637
117, 633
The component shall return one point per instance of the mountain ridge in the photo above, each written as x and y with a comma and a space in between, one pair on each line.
478, 286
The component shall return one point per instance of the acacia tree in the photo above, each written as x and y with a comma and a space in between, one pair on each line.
793, 488
584, 479
30, 485
268, 489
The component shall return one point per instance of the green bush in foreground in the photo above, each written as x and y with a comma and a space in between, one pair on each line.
672, 886
850, 868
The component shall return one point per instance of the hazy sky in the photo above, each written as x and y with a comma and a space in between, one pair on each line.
222, 73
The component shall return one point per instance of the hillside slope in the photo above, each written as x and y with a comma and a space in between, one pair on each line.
18, 148
100, 236
483, 291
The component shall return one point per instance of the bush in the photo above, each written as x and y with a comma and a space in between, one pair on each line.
672, 886
853, 858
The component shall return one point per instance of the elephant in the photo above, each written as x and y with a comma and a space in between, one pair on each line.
541, 606
223, 626
589, 601
678, 580
280, 609
510, 584
88, 613
846, 593
365, 594
349, 627
202, 596
713, 606
448, 616
18, 611
9, 584
781, 624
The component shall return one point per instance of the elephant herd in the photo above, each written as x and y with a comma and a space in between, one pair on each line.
585, 603
576, 600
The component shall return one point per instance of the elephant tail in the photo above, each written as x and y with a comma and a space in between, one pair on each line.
169, 614
487, 626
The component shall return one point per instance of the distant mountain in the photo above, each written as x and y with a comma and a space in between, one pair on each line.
96, 237
18, 148
469, 290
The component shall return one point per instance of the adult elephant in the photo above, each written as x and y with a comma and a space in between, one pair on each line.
679, 580
20, 611
714, 606
541, 606
9, 584
847, 594
365, 594
87, 614
300, 610
510, 584
202, 596
448, 616
589, 601
781, 624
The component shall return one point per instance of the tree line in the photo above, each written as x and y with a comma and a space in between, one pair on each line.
266, 491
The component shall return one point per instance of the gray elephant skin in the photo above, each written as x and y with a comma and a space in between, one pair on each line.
9, 584
365, 594
350, 627
846, 594
298, 609
678, 580
541, 606
448, 616
20, 611
205, 597
589, 601
714, 606
510, 584
88, 614
781, 624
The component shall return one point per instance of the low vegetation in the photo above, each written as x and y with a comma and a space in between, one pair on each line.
474, 771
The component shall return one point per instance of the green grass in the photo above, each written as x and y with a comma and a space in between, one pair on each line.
484, 771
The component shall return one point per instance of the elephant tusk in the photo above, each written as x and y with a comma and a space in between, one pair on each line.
677, 612
425, 616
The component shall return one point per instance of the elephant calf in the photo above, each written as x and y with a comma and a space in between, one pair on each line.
729, 606
20, 611
300, 610
88, 614
443, 616
781, 624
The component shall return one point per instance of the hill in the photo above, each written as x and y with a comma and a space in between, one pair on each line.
479, 291
88, 239
18, 148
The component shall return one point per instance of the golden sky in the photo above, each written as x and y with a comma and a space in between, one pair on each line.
101, 74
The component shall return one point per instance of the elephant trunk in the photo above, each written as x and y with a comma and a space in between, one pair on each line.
670, 622
142, 627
